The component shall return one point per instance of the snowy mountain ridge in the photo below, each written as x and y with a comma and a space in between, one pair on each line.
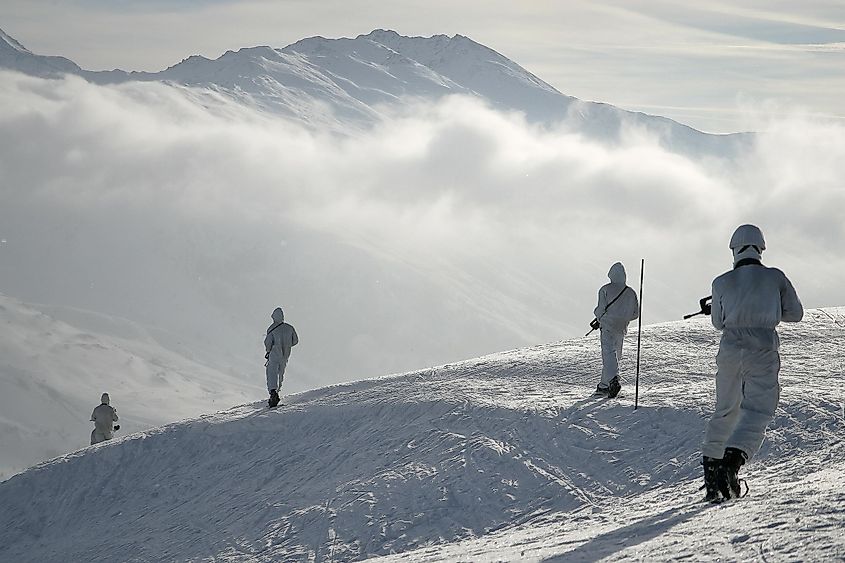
8, 41
347, 84
502, 458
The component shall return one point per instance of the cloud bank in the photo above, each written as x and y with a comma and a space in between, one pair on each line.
447, 231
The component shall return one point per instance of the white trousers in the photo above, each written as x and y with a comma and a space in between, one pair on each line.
97, 436
611, 354
747, 394
275, 373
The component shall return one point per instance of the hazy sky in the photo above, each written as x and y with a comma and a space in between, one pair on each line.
700, 63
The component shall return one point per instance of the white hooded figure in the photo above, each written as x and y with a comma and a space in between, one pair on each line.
748, 303
281, 337
103, 417
617, 306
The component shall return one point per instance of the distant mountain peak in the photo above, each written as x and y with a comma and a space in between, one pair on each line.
389, 34
377, 33
15, 56
8, 40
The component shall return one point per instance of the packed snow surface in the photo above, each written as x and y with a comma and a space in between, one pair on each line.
503, 458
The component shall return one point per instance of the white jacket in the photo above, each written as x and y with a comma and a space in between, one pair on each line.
104, 416
749, 302
625, 309
281, 337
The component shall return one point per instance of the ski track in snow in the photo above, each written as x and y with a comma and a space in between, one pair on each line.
506, 457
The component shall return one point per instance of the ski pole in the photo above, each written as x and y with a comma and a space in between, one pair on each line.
639, 335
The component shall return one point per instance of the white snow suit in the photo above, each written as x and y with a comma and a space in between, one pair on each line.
748, 303
281, 337
104, 417
613, 320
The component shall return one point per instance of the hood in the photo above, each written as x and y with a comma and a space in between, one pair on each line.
105, 399
617, 273
278, 315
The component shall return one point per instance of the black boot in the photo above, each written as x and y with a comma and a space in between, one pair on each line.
712, 467
613, 387
728, 477
274, 398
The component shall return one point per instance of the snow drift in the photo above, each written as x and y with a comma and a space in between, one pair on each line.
504, 457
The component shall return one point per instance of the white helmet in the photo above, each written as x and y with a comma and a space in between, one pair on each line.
748, 235
747, 242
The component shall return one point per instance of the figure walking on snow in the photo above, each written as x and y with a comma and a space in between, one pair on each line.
281, 337
748, 303
617, 306
104, 418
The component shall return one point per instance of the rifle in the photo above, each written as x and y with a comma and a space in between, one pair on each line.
705, 303
594, 324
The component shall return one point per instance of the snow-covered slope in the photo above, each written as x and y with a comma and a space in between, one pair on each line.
52, 374
346, 84
503, 458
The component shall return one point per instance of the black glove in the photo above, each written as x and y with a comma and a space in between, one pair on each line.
267, 356
117, 426
706, 308
594, 324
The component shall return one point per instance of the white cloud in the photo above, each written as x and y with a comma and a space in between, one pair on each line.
448, 231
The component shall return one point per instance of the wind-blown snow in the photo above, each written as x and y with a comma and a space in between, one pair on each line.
507, 457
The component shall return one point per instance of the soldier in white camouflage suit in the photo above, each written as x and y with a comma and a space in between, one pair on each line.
748, 303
